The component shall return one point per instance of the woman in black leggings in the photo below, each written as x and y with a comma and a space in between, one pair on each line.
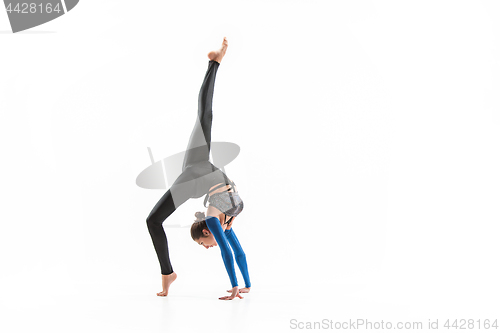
198, 176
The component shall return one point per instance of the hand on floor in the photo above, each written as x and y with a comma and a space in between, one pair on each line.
234, 293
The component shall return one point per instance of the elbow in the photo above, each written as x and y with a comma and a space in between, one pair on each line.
241, 256
227, 257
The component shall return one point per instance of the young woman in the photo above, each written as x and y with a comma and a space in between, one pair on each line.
200, 177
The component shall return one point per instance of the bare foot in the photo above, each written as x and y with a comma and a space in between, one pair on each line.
166, 281
219, 54
242, 290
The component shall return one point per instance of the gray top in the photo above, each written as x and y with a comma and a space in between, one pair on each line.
222, 201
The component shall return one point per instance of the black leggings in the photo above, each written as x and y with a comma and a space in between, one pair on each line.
196, 165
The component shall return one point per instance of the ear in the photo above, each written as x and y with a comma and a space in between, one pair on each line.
206, 232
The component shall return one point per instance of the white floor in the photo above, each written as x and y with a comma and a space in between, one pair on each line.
137, 309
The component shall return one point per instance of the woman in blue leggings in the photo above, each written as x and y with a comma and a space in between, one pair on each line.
200, 177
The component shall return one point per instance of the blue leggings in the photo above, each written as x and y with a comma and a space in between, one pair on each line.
223, 238
241, 259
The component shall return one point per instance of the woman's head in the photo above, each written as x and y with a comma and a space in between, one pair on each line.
200, 232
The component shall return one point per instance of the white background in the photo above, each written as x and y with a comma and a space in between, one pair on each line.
369, 135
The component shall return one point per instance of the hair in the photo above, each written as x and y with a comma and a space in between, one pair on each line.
198, 226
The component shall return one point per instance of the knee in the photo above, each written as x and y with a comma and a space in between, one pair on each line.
151, 221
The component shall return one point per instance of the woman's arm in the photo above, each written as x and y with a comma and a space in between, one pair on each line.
239, 254
215, 228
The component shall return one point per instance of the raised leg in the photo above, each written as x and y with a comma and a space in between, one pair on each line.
198, 148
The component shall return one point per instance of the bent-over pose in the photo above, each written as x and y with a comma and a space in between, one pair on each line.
200, 177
